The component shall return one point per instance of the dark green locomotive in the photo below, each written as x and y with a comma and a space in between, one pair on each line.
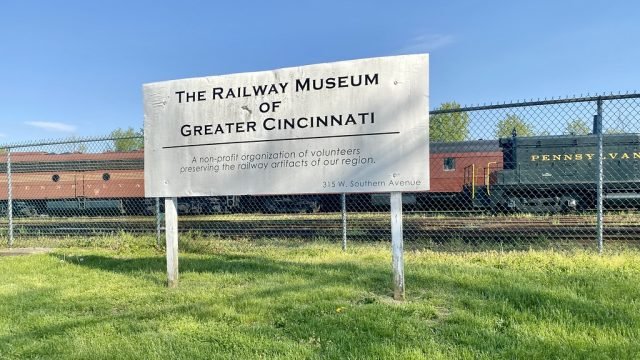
559, 173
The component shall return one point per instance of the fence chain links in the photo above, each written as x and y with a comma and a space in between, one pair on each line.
510, 176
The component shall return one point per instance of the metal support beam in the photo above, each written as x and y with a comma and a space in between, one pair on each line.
9, 197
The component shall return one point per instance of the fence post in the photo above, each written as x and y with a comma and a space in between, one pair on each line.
9, 197
158, 223
600, 177
343, 199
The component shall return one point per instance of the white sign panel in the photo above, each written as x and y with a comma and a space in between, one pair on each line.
351, 126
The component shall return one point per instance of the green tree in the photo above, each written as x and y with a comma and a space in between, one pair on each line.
578, 127
75, 145
505, 127
453, 126
614, 131
127, 140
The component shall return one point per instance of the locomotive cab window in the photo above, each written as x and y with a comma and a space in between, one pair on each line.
449, 164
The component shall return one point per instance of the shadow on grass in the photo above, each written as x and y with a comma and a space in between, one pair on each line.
134, 266
65, 324
511, 315
369, 277
516, 290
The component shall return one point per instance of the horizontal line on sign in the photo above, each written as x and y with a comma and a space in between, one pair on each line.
284, 139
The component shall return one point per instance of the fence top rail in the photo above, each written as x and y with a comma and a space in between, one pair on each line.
10, 146
537, 103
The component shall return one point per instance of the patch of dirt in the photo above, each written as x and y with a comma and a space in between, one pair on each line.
24, 251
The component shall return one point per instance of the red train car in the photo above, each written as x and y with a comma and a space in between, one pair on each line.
100, 182
456, 164
61, 176
82, 182
456, 170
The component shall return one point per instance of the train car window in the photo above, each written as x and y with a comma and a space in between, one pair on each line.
106, 176
449, 164
55, 178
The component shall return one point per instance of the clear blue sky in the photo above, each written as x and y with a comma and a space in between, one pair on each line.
76, 68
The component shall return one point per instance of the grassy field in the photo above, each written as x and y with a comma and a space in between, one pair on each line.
297, 300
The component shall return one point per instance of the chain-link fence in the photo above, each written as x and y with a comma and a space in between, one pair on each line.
514, 175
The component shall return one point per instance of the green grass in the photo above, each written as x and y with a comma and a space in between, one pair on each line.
294, 299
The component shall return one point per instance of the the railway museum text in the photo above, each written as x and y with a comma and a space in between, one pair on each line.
307, 84
270, 122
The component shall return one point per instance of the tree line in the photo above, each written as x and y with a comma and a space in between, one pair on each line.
127, 139
454, 126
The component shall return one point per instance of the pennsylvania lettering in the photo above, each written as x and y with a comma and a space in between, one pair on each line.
584, 156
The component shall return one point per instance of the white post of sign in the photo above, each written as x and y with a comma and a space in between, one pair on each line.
171, 230
397, 246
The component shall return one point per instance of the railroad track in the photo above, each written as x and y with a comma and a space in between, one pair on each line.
472, 228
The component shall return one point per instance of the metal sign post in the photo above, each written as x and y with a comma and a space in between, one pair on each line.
600, 177
397, 245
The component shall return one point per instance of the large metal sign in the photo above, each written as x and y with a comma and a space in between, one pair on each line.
344, 127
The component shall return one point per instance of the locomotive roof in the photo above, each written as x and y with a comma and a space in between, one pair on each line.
46, 162
571, 140
464, 146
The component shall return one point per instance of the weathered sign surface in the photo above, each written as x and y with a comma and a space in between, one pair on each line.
351, 126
